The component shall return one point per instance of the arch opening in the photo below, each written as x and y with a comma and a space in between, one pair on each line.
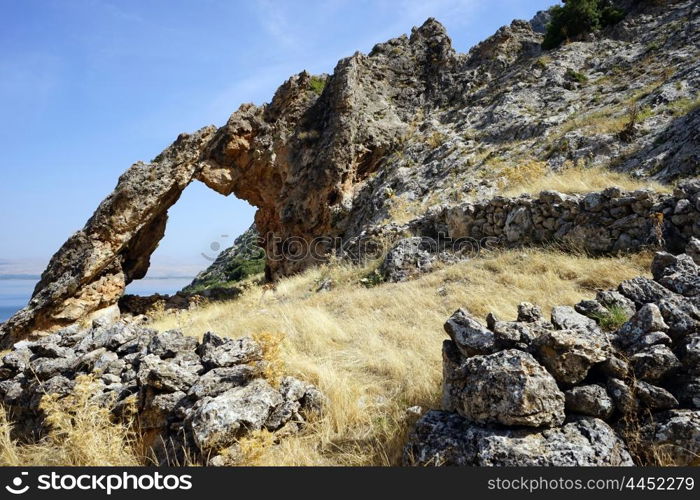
201, 227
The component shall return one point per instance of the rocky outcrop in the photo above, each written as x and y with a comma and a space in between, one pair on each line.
567, 392
192, 398
412, 124
91, 269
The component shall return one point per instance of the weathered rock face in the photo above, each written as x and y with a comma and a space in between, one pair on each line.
297, 159
602, 396
92, 268
412, 122
508, 388
197, 397
444, 439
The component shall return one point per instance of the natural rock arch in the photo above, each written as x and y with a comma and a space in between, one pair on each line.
296, 159
319, 159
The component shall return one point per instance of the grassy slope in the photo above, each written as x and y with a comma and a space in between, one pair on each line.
373, 351
376, 351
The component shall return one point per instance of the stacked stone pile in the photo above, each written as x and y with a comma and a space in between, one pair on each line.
568, 392
604, 222
194, 397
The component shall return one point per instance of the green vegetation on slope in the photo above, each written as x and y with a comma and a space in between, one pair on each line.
242, 260
577, 17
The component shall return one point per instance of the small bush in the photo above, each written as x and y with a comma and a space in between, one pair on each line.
610, 15
436, 139
613, 318
271, 346
542, 62
577, 17
630, 128
576, 76
317, 84
682, 107
372, 279
655, 45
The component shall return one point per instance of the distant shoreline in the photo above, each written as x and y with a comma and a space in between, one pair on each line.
37, 277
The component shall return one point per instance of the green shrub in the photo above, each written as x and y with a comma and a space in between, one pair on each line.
240, 268
576, 17
612, 319
372, 279
542, 62
317, 84
610, 15
576, 76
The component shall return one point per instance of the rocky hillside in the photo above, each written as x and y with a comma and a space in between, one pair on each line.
625, 98
394, 133
423, 156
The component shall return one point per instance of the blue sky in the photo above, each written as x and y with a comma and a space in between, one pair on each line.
88, 87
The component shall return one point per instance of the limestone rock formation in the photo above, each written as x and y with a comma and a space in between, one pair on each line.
509, 387
628, 394
408, 128
444, 439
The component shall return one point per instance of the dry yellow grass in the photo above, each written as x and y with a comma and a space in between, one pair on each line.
373, 351
81, 434
576, 179
376, 351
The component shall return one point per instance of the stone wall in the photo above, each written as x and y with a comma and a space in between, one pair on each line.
600, 222
605, 222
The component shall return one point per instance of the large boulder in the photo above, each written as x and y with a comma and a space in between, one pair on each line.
569, 354
217, 352
442, 438
592, 400
654, 363
469, 335
408, 257
678, 273
645, 328
509, 388
217, 421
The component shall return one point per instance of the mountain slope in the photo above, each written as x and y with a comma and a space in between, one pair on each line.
410, 126
425, 126
242, 259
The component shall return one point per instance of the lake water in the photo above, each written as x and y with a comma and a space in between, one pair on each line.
15, 293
